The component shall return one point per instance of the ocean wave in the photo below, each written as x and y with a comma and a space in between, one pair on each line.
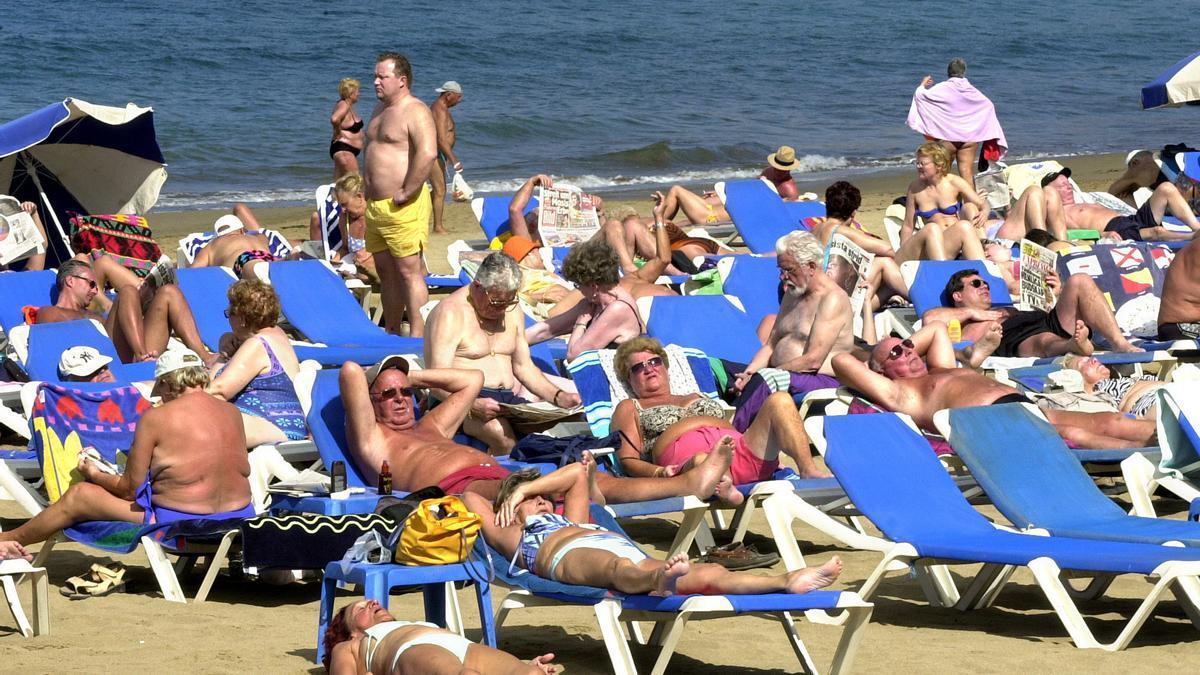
168, 201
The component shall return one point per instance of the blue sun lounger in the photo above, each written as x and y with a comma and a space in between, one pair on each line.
18, 289
1032, 478
711, 323
903, 489
758, 213
672, 613
47, 342
754, 281
492, 214
206, 290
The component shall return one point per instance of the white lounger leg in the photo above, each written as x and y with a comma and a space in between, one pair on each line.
852, 632
689, 527
1139, 482
20, 491
670, 639
14, 604
608, 615
216, 562
167, 580
789, 626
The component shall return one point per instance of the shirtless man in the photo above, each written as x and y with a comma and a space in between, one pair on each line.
236, 247
1141, 171
814, 323
780, 165
479, 327
381, 425
899, 380
1052, 207
401, 147
191, 447
1080, 309
1179, 312
139, 335
449, 95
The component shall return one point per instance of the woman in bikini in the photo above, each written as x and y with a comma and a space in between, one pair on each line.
348, 135
258, 377
350, 193
663, 434
1132, 395
522, 526
954, 214
365, 638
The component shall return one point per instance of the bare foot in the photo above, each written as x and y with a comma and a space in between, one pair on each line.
987, 344
728, 493
704, 478
440, 230
673, 568
1127, 346
544, 665
589, 465
812, 578
812, 471
1080, 342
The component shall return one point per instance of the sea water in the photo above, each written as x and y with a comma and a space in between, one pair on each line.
611, 95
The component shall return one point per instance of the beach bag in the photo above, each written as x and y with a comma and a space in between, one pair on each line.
124, 236
459, 188
559, 450
439, 531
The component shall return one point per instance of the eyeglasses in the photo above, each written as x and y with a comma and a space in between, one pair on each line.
975, 283
391, 392
652, 362
897, 349
91, 282
497, 304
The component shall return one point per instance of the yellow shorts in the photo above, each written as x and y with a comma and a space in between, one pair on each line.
401, 230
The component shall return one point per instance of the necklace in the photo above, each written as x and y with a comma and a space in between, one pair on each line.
489, 334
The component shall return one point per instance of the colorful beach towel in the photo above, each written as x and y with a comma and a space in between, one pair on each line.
126, 237
1130, 275
954, 110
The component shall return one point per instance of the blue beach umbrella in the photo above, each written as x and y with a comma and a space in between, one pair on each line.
76, 156
1178, 85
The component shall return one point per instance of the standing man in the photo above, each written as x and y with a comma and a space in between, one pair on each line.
401, 145
449, 95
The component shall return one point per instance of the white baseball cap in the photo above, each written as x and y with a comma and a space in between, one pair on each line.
176, 359
81, 362
228, 223
450, 86
398, 361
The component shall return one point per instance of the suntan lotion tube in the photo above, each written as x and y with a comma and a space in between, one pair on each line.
954, 328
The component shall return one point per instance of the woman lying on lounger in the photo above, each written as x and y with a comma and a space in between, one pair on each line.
258, 378
663, 434
365, 638
522, 525
954, 214
1133, 395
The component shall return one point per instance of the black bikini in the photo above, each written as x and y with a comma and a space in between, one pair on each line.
341, 146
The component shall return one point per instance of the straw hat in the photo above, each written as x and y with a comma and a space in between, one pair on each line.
784, 158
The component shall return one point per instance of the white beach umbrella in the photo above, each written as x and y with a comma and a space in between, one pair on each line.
1178, 85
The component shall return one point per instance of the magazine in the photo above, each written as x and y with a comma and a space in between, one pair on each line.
1036, 261
567, 216
19, 236
848, 266
541, 412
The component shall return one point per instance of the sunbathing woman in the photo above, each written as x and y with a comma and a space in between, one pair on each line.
258, 378
522, 525
1132, 395
663, 434
951, 226
365, 638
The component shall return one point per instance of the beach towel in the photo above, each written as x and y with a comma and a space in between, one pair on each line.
125, 236
1130, 275
191, 244
66, 419
303, 541
954, 110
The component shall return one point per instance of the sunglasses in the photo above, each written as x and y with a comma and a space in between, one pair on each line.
897, 349
91, 282
975, 283
227, 313
392, 392
652, 362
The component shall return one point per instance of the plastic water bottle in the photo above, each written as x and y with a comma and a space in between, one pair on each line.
385, 479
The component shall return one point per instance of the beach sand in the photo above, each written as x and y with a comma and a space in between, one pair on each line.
254, 627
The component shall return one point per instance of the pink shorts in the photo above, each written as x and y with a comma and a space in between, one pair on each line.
457, 482
746, 467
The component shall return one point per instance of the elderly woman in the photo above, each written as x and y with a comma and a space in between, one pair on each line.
663, 434
258, 377
522, 525
350, 193
365, 638
951, 226
348, 135
1133, 395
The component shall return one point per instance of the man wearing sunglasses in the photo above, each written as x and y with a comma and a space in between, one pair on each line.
1065, 329
381, 424
479, 327
918, 376
139, 332
814, 323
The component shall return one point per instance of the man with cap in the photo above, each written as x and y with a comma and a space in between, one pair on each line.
139, 326
195, 445
84, 364
480, 327
235, 246
381, 425
450, 94
1052, 207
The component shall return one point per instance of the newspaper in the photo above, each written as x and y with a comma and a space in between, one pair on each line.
566, 216
19, 236
1036, 261
848, 265
541, 412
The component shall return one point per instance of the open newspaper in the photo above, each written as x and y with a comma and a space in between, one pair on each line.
1036, 261
848, 264
541, 412
19, 236
566, 217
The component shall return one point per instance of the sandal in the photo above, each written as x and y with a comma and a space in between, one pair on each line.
98, 582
